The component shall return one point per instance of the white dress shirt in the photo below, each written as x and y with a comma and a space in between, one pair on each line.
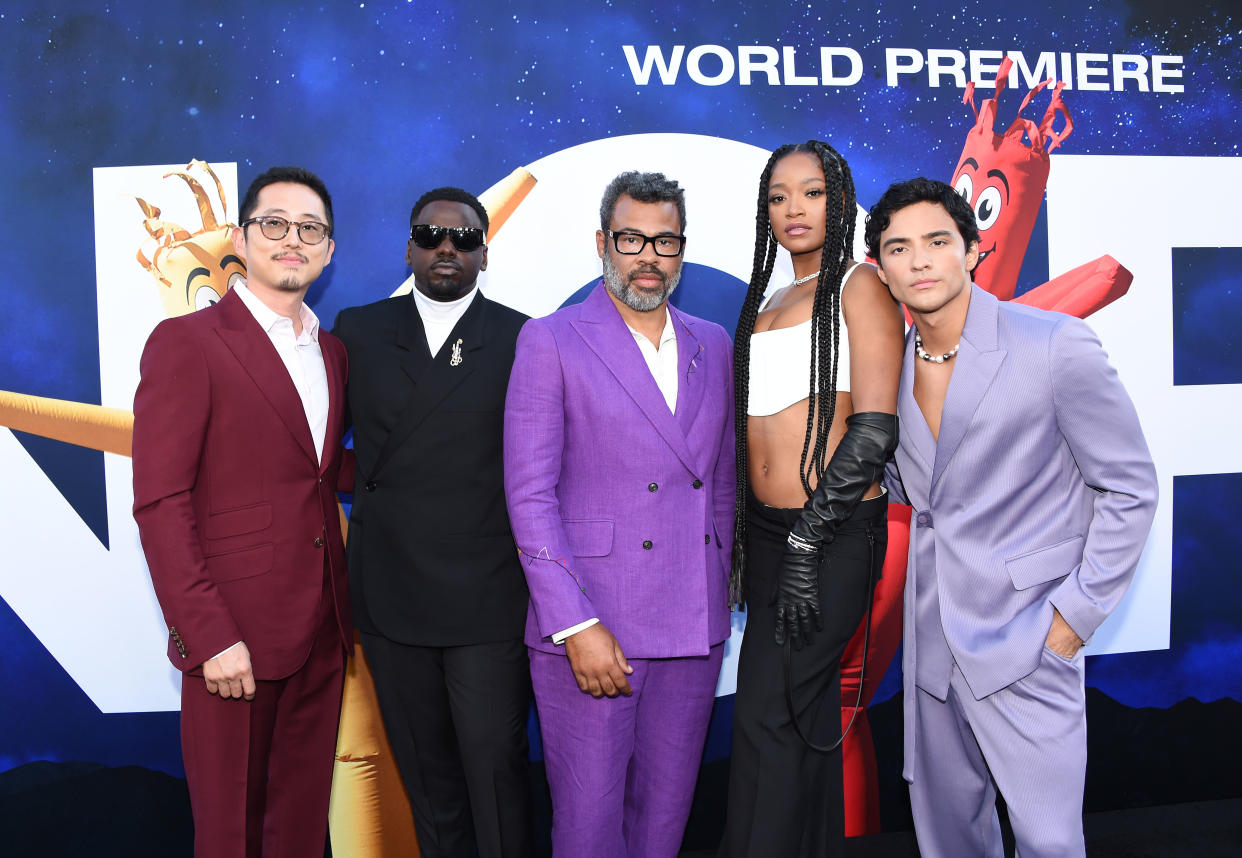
303, 360
302, 357
662, 361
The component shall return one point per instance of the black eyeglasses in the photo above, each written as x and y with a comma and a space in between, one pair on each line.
275, 228
632, 243
465, 238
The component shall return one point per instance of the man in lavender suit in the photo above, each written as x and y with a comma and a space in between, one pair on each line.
619, 476
1033, 493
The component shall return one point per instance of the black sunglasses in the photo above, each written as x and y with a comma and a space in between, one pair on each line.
465, 238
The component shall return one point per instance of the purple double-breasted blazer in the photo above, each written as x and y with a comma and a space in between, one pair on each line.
621, 509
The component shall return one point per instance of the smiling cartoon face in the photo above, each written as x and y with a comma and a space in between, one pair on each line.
198, 271
1004, 181
193, 270
1003, 177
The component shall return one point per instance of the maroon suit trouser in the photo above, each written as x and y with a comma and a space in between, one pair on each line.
260, 771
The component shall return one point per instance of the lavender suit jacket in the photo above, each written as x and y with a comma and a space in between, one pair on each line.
621, 509
1040, 493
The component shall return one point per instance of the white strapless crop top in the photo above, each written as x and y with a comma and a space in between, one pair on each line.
780, 361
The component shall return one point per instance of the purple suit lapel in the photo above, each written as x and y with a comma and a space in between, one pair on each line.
690, 378
604, 331
979, 359
249, 343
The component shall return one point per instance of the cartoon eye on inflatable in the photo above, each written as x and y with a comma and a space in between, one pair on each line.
965, 186
205, 297
988, 206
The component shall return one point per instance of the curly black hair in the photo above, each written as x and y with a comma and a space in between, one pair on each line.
645, 188
919, 190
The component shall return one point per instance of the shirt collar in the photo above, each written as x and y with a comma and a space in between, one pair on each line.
666, 336
440, 310
269, 318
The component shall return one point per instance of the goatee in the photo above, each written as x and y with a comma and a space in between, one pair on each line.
643, 302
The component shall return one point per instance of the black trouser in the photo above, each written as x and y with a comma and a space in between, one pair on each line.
456, 720
785, 799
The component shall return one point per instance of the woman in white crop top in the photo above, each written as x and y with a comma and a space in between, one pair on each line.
815, 370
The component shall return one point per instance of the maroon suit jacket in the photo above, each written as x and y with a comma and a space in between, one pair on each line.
238, 520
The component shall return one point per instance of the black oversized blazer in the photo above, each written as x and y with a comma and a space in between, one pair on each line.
431, 556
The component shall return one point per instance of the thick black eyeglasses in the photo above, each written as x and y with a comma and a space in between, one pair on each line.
275, 228
465, 238
632, 243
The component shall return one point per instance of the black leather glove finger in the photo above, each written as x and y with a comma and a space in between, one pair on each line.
779, 627
804, 627
806, 623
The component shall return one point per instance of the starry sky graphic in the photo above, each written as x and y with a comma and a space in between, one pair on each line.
387, 99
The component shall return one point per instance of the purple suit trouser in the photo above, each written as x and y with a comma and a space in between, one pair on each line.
622, 769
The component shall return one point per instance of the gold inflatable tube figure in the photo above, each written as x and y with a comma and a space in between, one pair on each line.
81, 424
502, 199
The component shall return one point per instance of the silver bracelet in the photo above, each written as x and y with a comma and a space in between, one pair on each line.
797, 543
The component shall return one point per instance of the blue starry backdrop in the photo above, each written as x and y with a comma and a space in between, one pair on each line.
387, 99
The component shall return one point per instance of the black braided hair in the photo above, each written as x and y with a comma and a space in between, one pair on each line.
825, 313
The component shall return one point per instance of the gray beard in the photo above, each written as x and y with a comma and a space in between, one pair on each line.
639, 301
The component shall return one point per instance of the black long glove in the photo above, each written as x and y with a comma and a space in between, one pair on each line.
857, 463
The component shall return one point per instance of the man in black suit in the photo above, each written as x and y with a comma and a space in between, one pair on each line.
438, 594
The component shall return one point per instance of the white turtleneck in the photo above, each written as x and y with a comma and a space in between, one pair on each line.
440, 317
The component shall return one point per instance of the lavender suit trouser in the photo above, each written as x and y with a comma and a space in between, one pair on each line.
1029, 740
622, 769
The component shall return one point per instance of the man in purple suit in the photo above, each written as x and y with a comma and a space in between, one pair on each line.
1033, 493
619, 476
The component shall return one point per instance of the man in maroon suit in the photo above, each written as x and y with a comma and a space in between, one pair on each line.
237, 449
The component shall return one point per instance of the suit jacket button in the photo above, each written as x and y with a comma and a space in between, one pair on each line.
707, 539
651, 487
698, 484
370, 485
319, 542
647, 544
924, 519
